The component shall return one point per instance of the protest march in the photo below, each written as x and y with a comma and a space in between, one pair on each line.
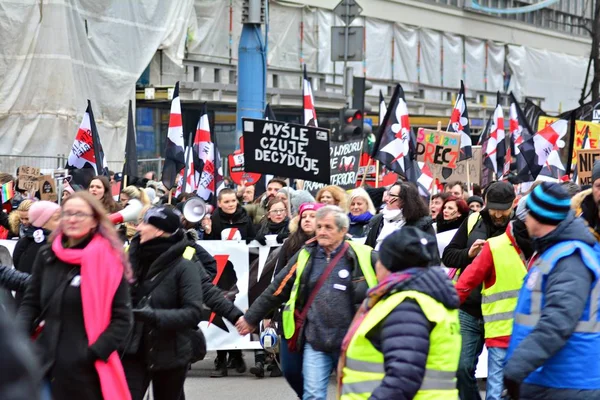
246, 222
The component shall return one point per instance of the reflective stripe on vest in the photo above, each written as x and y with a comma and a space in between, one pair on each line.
363, 256
542, 268
498, 302
363, 370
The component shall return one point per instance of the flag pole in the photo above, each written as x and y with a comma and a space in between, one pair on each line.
469, 179
170, 195
377, 173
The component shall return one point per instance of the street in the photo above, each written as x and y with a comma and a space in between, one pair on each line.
199, 385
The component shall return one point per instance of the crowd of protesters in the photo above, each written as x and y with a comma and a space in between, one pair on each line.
395, 291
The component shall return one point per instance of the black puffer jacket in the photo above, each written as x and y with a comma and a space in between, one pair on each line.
25, 252
177, 300
403, 337
566, 292
208, 262
13, 279
456, 254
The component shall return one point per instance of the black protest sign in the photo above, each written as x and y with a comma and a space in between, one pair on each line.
290, 150
344, 159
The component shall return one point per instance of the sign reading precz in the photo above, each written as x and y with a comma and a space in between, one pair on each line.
283, 149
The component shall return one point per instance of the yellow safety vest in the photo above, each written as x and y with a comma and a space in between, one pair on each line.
363, 370
498, 302
363, 254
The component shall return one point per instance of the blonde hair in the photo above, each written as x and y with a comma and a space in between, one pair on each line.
105, 228
339, 195
134, 192
14, 218
362, 193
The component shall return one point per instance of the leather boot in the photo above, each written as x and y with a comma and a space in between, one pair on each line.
258, 370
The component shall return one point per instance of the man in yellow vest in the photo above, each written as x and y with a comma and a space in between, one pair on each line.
404, 342
322, 287
501, 267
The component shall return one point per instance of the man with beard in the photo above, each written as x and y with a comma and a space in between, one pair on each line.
501, 267
460, 252
274, 186
586, 203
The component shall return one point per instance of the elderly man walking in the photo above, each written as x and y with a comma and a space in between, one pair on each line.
322, 287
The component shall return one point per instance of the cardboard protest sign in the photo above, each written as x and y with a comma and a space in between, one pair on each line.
283, 149
460, 172
47, 187
344, 159
438, 147
585, 164
28, 178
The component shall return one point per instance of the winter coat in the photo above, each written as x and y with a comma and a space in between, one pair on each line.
176, 301
566, 294
208, 262
25, 252
13, 279
424, 223
584, 206
63, 349
403, 337
216, 301
239, 220
456, 254
280, 289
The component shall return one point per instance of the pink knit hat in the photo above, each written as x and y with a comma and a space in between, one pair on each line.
41, 211
310, 207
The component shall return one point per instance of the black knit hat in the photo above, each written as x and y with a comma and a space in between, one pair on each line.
406, 248
475, 199
549, 203
163, 218
596, 171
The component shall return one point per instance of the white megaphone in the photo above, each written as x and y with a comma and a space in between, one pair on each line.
194, 209
130, 213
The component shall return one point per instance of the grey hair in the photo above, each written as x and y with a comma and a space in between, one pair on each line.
339, 216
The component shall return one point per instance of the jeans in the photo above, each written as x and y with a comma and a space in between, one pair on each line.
494, 387
291, 365
471, 330
316, 368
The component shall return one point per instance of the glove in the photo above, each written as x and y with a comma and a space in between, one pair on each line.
512, 388
282, 236
261, 239
145, 314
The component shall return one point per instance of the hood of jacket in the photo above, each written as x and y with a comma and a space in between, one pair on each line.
572, 228
433, 282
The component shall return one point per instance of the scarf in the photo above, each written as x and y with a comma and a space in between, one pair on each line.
392, 221
276, 228
374, 295
101, 275
360, 219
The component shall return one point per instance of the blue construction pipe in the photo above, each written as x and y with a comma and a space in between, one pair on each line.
252, 75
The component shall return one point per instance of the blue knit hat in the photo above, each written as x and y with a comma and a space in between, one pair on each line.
549, 203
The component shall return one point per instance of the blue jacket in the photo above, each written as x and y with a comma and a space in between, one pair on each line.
551, 341
403, 337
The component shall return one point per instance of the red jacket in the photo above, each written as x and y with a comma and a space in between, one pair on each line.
482, 270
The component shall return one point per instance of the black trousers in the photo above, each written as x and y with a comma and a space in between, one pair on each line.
166, 384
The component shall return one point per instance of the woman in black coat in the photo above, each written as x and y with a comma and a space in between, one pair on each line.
167, 301
77, 304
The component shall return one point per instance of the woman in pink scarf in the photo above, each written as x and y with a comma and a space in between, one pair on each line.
78, 306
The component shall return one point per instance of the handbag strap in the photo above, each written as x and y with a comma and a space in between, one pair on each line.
322, 280
58, 292
157, 279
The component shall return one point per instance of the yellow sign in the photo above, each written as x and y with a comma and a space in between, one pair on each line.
581, 127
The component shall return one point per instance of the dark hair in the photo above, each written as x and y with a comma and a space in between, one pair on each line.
461, 204
477, 190
440, 195
110, 205
225, 191
462, 185
278, 180
413, 206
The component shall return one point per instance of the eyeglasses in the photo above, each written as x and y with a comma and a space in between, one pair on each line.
78, 216
278, 211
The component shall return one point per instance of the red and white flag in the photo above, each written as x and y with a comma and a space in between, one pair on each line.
541, 150
87, 151
174, 151
188, 177
207, 159
496, 143
425, 181
459, 123
308, 102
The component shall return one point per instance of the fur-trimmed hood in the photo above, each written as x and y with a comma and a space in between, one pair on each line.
577, 200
